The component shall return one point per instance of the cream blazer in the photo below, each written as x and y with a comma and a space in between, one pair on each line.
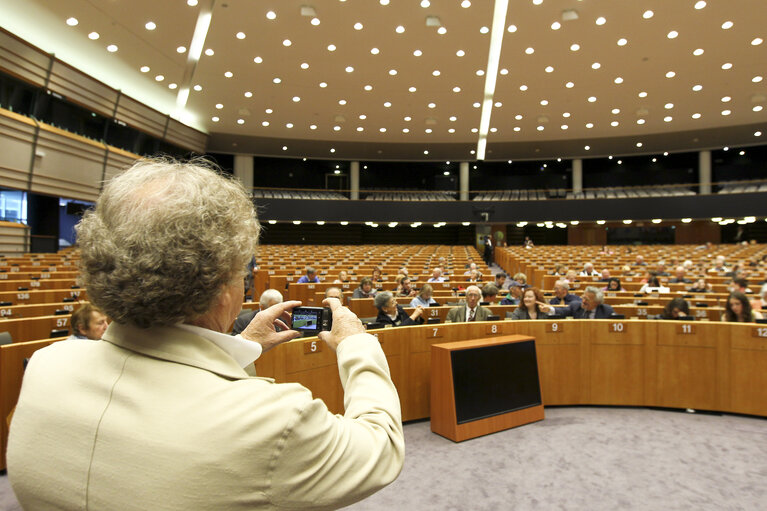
163, 419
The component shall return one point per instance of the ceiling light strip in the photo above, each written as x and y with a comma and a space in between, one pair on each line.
195, 51
491, 74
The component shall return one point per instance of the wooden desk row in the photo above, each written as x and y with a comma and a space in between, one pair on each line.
38, 275
38, 309
35, 328
14, 285
43, 296
706, 366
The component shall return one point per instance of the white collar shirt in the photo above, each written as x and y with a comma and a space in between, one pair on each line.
243, 351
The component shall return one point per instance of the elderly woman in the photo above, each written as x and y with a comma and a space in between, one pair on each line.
165, 411
88, 322
343, 276
738, 309
390, 313
532, 306
365, 290
424, 298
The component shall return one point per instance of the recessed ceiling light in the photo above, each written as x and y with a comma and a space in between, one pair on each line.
466, 4
407, 118
432, 105
332, 150
639, 144
427, 130
697, 88
523, 88
537, 2
518, 117
358, 26
424, 3
258, 60
277, 80
159, 78
726, 112
197, 88
323, 85
387, 104
616, 111
304, 65
336, 128
271, 15
670, 74
392, 72
756, 79
726, 99
544, 102
228, 74
268, 110
696, 116
265, 124
587, 148
191, 3
668, 106
363, 117
530, 50
456, 89
315, 21
622, 41
209, 52
382, 130
556, 25
342, 102
442, 31
727, 25
412, 89
668, 118
504, 71
172, 86
757, 133
181, 49
400, 29
596, 65
331, 47
565, 114
672, 35
640, 121
614, 124
405, 130
312, 126
601, 20
451, 130
144, 69
240, 121
375, 51
549, 69
289, 125
360, 128
95, 35
647, 14
477, 104
564, 126
569, 85
592, 99
727, 65
72, 22
417, 53
215, 119
618, 80
435, 72
480, 72
642, 94
757, 41
757, 108
296, 99
483, 30
287, 42
700, 4
112, 48
575, 47
517, 128
349, 69
589, 125
240, 35
512, 28
460, 53
498, 104
219, 106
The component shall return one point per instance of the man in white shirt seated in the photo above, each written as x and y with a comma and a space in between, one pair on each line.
436, 276
589, 271
471, 310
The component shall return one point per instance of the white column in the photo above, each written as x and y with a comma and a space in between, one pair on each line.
354, 180
704, 171
464, 180
243, 169
577, 175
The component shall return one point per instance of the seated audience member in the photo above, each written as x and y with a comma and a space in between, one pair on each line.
88, 322
311, 276
390, 313
605, 275
613, 285
403, 271
343, 276
490, 293
738, 309
471, 310
626, 271
606, 251
424, 298
528, 243
700, 287
376, 275
591, 306
571, 277
719, 265
514, 294
687, 265
334, 292
532, 306
268, 298
676, 308
648, 275
639, 261
560, 270
469, 262
761, 302
474, 276
660, 270
500, 280
679, 276
654, 286
472, 268
405, 287
520, 278
365, 290
589, 271
436, 276
562, 294
164, 412
740, 285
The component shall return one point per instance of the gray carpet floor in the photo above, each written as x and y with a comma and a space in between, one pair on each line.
580, 458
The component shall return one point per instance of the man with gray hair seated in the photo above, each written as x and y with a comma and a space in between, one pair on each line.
166, 412
268, 298
391, 313
471, 310
591, 306
562, 294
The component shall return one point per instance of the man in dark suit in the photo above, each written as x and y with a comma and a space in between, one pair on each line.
268, 298
471, 311
562, 294
591, 306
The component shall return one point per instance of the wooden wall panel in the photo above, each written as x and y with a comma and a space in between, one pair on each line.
14, 239
82, 89
17, 134
141, 117
186, 137
20, 59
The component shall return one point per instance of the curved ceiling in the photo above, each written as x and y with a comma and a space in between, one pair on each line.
614, 76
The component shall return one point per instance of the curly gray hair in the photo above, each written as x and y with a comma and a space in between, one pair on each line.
164, 239
382, 299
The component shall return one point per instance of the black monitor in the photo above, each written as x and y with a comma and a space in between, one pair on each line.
432, 321
494, 380
617, 316
493, 317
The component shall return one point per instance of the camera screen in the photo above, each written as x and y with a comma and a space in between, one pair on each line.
306, 320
